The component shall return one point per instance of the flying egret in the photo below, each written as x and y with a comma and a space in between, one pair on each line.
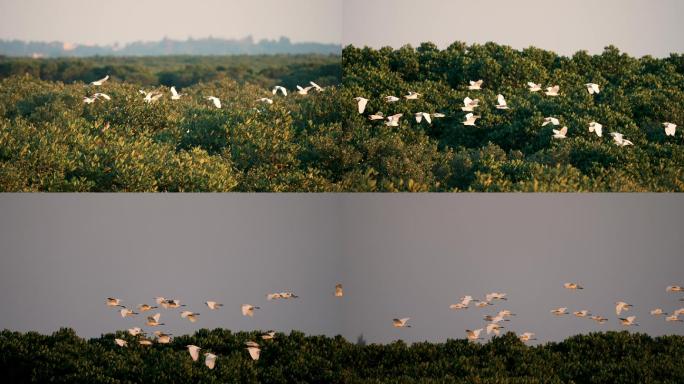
670, 129
162, 338
153, 321
482, 303
560, 311
674, 288
192, 316
121, 342
377, 116
391, 99
317, 87
469, 104
592, 88
393, 121
572, 286
174, 94
494, 327
621, 306
89, 100
303, 91
144, 342
282, 90
146, 307
268, 335
265, 100
550, 120
552, 91
135, 331
598, 319
401, 323
475, 85
527, 336
619, 140
114, 302
582, 313
506, 313
628, 321
534, 87
658, 312
248, 310
560, 133
437, 115
470, 119
253, 349
361, 103
209, 360
474, 334
101, 81
597, 128
679, 311
412, 95
194, 351
673, 317
102, 95
215, 100
125, 312
172, 303
495, 296
339, 292
495, 319
501, 102
151, 96
465, 300
423, 115
213, 305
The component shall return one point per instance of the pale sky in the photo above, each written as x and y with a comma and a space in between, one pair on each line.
106, 22
638, 27
398, 255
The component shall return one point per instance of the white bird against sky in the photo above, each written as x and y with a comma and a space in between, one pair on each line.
192, 316
248, 310
153, 321
495, 328
146, 307
339, 292
401, 323
572, 286
560, 311
125, 312
473, 335
621, 306
113, 302
213, 305
495, 296
674, 288
463, 304
628, 321
135, 331
527, 336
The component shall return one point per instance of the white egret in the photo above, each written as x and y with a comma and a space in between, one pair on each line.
101, 81
393, 121
474, 334
215, 100
121, 342
552, 91
213, 305
423, 115
339, 292
194, 351
628, 321
401, 323
534, 87
282, 90
560, 311
572, 286
248, 310
550, 120
377, 116
174, 94
619, 140
597, 128
253, 349
670, 129
560, 133
303, 91
192, 316
209, 360
592, 88
501, 102
135, 331
412, 95
361, 103
621, 306
475, 85
470, 119
527, 336
391, 99
153, 321
469, 104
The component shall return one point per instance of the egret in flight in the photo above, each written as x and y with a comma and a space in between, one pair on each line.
670, 129
552, 91
592, 88
619, 140
572, 286
560, 133
393, 121
192, 316
194, 351
361, 103
213, 305
248, 310
253, 349
469, 104
474, 334
282, 90
339, 292
621, 306
501, 102
401, 323
174, 94
550, 120
475, 85
470, 119
101, 81
215, 100
412, 95
209, 360
534, 87
597, 128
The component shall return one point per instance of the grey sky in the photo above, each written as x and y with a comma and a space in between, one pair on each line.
123, 21
397, 255
638, 27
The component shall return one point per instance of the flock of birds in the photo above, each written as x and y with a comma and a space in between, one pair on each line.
493, 326
469, 106
153, 321
152, 96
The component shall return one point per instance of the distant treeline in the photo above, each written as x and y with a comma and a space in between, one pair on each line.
611, 358
207, 46
182, 71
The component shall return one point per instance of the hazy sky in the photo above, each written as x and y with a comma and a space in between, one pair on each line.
106, 22
638, 27
397, 255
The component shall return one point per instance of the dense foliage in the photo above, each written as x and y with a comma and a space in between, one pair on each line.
613, 357
510, 150
51, 141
